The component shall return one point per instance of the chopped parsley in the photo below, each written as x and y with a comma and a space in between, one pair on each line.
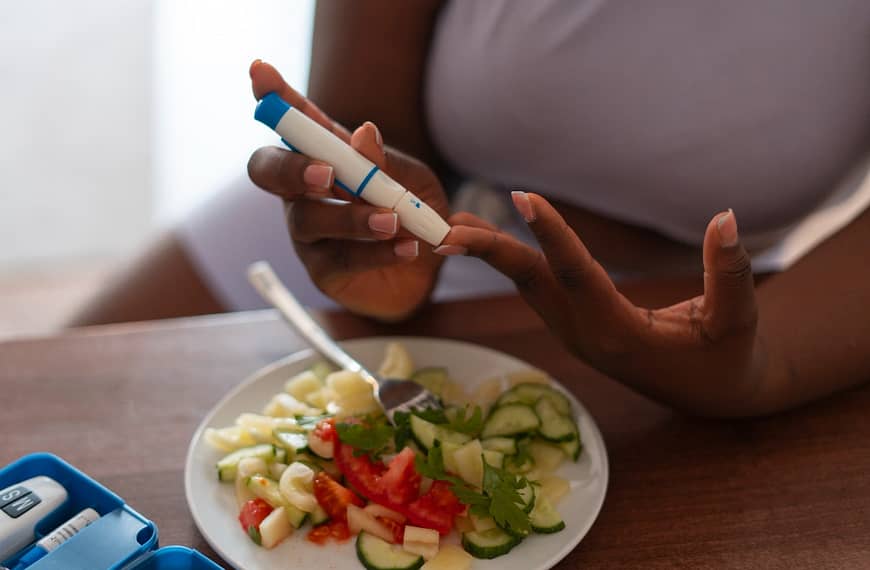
500, 498
465, 420
370, 439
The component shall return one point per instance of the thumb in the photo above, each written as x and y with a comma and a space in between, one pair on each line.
729, 290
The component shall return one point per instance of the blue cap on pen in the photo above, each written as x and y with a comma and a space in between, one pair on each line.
270, 109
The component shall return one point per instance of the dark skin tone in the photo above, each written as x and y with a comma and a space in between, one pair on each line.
740, 349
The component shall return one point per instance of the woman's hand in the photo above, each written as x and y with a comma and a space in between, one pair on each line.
355, 253
702, 355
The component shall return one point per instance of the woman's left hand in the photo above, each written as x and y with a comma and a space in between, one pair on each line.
702, 355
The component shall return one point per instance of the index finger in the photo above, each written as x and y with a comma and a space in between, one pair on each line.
266, 79
525, 266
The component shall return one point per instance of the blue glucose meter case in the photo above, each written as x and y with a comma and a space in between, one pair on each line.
120, 539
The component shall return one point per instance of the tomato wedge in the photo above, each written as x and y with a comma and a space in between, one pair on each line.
325, 430
252, 514
336, 530
435, 509
397, 487
360, 472
400, 483
334, 497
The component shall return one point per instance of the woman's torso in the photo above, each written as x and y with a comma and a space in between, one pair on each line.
656, 114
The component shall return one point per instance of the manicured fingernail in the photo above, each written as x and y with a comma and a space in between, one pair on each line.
407, 248
378, 138
385, 223
318, 175
523, 205
727, 226
450, 250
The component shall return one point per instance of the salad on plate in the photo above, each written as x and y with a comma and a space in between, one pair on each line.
434, 491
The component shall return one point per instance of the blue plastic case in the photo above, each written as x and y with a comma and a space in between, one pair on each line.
120, 538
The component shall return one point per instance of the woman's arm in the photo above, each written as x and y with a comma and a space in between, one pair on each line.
368, 62
815, 320
733, 351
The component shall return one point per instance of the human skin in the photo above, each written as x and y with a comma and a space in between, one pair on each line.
740, 349
810, 336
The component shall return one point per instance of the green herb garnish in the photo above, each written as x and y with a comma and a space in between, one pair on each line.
469, 426
500, 498
366, 438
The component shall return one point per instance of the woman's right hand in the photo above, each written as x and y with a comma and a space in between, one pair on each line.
355, 253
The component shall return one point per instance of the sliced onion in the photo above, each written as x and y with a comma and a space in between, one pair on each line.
296, 486
359, 520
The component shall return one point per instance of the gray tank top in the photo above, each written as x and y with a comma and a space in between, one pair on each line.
658, 113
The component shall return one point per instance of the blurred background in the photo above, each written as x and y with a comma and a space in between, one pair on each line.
116, 118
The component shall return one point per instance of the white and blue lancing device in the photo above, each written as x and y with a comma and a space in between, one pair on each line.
353, 172
22, 506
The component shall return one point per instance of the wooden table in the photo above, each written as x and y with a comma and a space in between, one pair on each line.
793, 491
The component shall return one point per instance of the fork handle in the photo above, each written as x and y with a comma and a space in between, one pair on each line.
269, 286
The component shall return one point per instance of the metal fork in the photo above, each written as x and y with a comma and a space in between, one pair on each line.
394, 395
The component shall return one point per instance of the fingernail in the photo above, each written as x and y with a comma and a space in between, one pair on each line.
450, 250
385, 223
378, 138
407, 248
727, 226
316, 194
318, 175
523, 205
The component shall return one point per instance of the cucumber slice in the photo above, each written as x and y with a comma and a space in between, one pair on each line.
554, 426
308, 423
529, 496
572, 448
433, 379
296, 517
544, 518
523, 461
506, 445
267, 489
293, 442
530, 393
228, 465
274, 528
519, 466
425, 433
318, 516
489, 544
378, 554
511, 419
280, 454
319, 464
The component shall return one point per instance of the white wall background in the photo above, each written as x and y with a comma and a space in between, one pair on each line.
117, 116
204, 110
75, 116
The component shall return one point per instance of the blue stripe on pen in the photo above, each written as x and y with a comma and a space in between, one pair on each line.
341, 185
366, 180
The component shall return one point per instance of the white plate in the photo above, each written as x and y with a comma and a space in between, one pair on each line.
213, 505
